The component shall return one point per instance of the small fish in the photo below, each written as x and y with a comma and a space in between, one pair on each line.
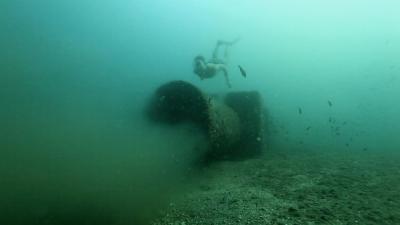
242, 71
329, 103
308, 128
300, 111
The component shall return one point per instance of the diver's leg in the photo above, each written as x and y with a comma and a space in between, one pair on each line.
227, 44
226, 53
227, 47
216, 50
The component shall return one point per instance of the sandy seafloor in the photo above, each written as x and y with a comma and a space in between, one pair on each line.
292, 187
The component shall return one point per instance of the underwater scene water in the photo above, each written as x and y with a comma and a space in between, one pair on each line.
315, 88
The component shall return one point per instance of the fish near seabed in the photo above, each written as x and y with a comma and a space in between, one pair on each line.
242, 71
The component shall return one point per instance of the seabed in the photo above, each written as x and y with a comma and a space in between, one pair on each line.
292, 187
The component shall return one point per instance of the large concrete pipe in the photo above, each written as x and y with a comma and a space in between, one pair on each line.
233, 126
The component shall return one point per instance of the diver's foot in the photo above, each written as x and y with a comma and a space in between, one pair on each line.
220, 42
227, 43
235, 41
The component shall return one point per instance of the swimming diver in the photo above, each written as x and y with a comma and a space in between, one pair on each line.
206, 70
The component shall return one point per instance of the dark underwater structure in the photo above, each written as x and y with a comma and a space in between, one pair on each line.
232, 122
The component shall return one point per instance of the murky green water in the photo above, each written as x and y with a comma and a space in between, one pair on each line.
75, 146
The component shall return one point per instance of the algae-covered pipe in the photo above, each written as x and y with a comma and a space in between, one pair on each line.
179, 101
